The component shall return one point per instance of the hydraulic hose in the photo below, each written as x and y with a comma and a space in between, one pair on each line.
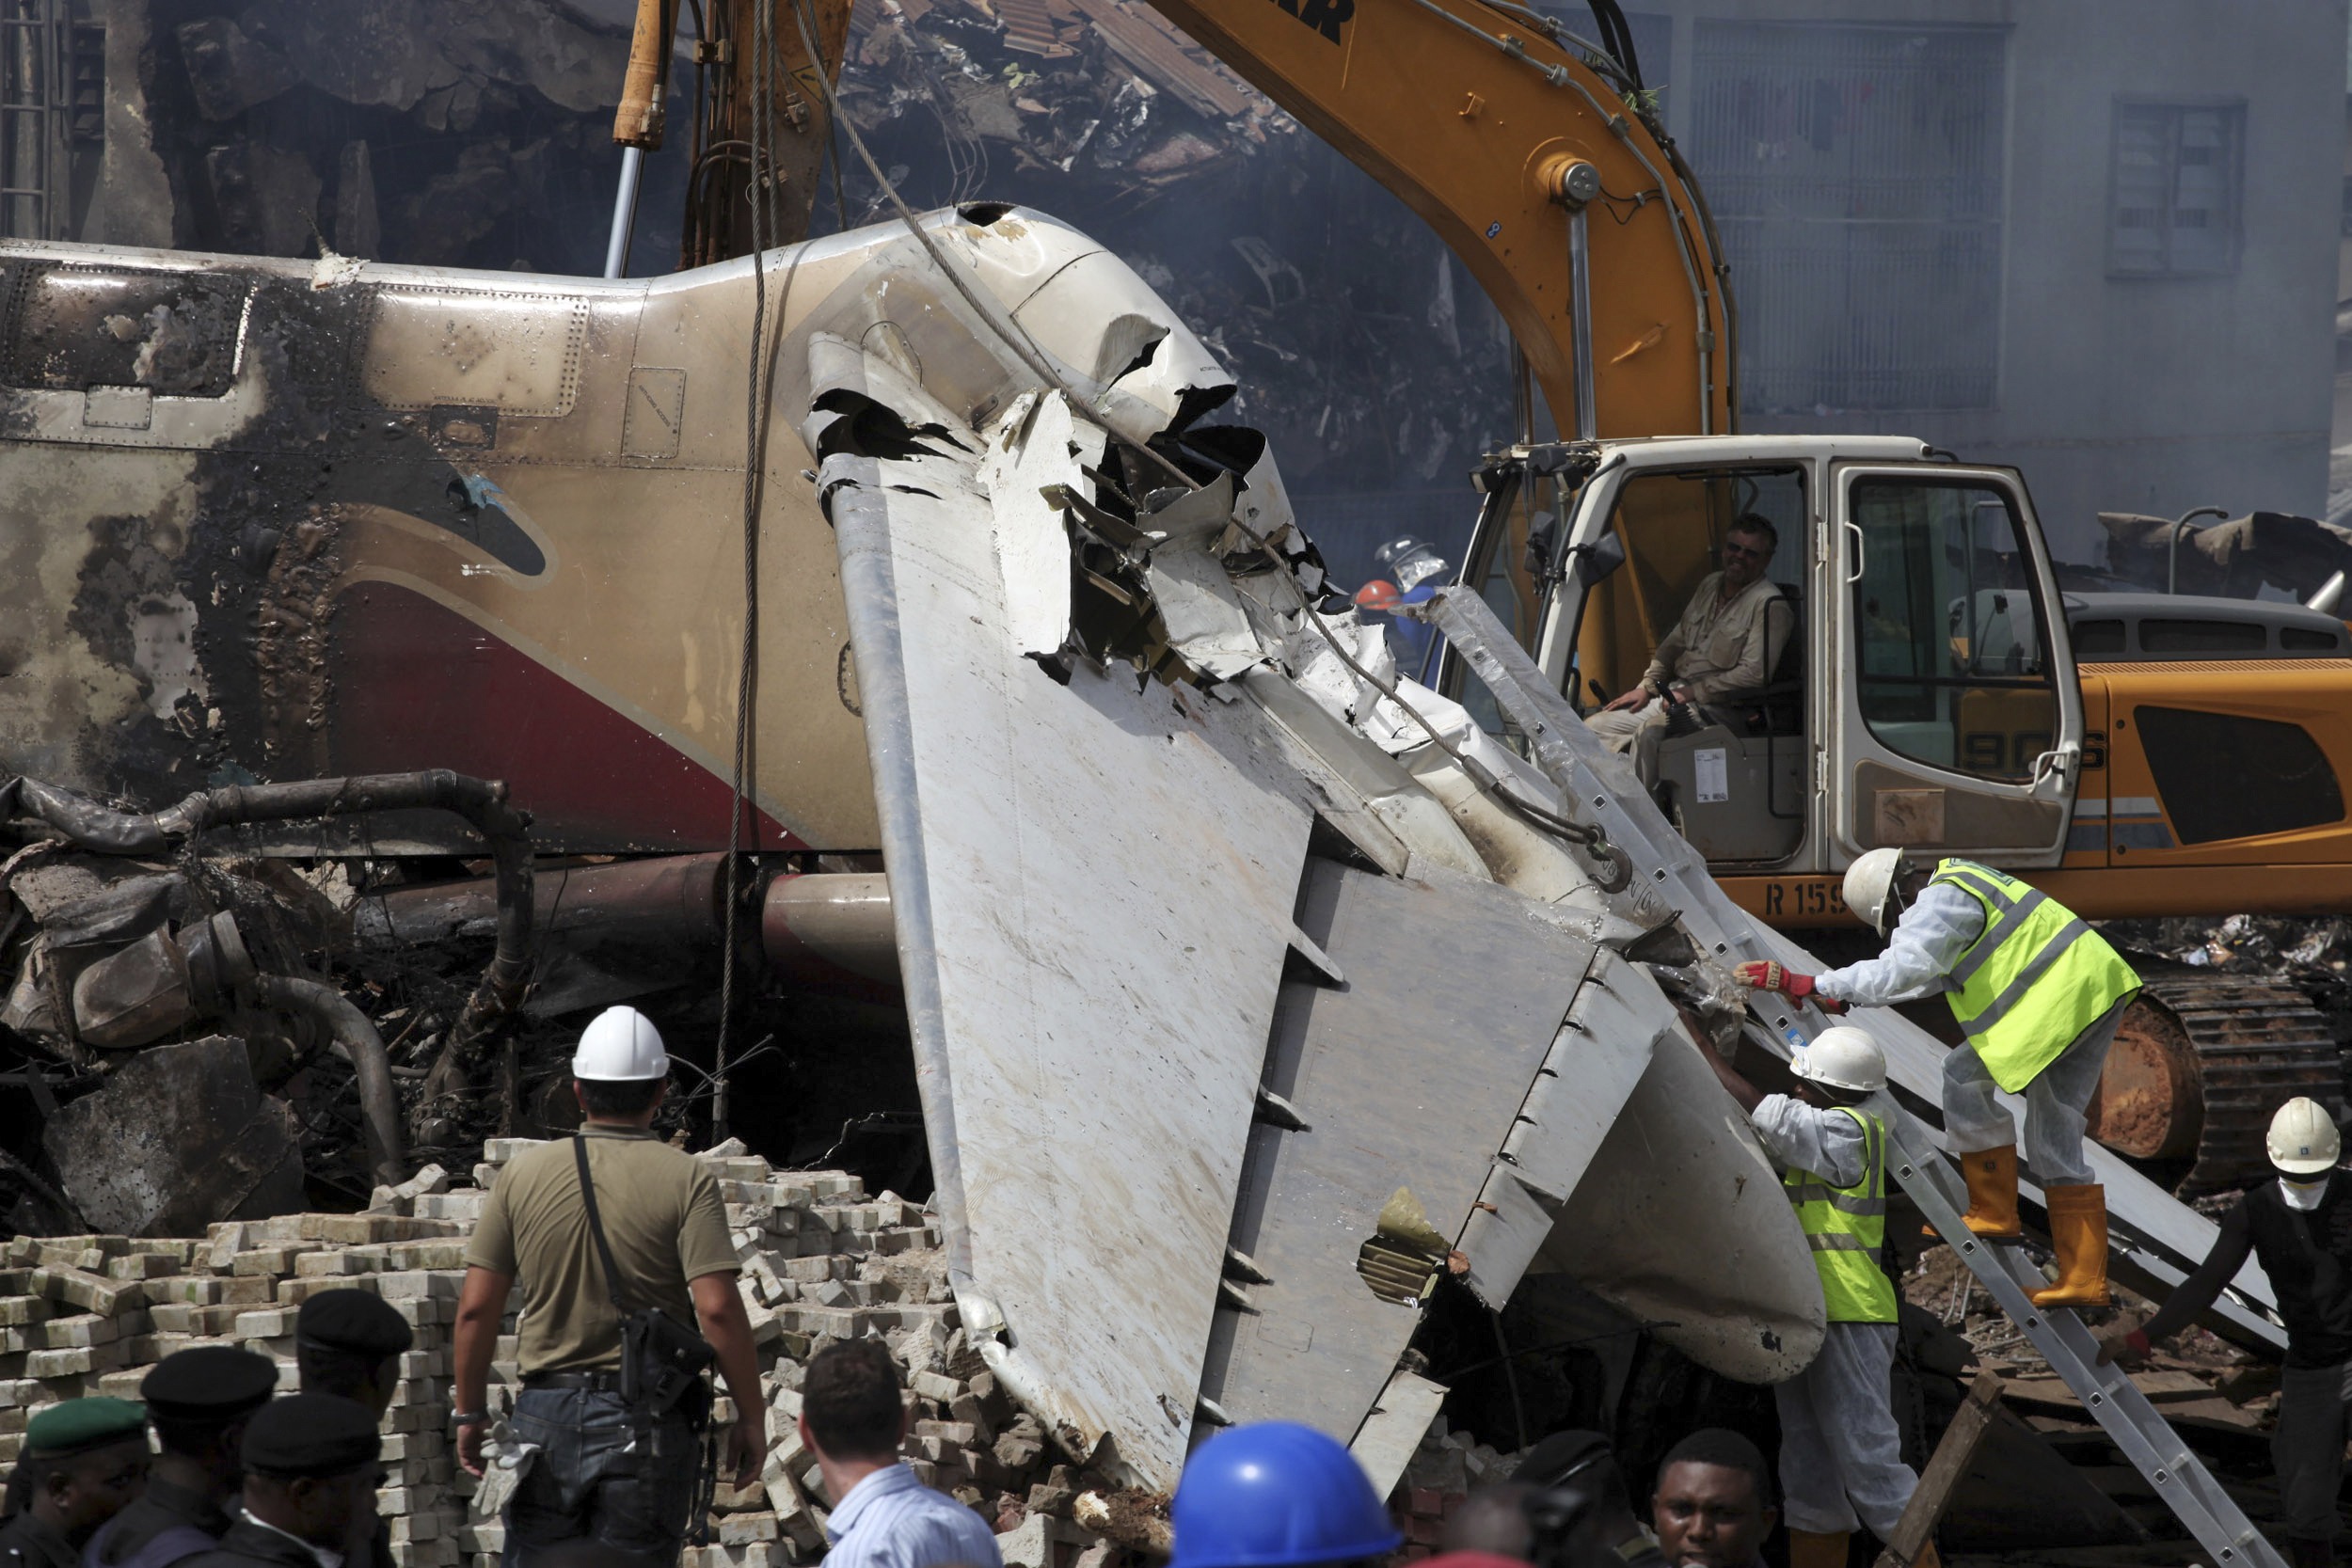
349, 1035
480, 803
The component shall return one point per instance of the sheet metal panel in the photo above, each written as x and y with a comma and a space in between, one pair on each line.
1408, 1075
1094, 887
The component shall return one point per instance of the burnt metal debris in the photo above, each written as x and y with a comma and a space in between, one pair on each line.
138, 933
2230, 557
204, 1026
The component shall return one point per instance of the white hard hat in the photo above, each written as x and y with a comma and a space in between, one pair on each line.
620, 1046
2303, 1138
1871, 885
1843, 1057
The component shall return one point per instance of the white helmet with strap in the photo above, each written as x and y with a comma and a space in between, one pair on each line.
2303, 1138
1843, 1057
1870, 886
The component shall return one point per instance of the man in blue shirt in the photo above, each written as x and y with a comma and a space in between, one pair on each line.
853, 1420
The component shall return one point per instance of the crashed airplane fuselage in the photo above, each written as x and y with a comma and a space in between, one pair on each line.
1251, 1005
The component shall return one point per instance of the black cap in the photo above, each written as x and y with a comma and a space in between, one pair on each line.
211, 1383
358, 1322
1562, 1455
310, 1434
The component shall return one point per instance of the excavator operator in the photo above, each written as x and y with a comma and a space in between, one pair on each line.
1724, 643
2037, 993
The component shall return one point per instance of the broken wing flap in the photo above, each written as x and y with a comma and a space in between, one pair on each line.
1560, 1192
1557, 1130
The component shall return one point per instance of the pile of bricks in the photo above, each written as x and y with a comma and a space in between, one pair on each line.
91, 1314
821, 1261
1443, 1471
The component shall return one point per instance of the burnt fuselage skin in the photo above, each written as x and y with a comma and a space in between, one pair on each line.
269, 520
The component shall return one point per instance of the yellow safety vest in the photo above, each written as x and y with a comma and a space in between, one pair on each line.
1846, 1227
2035, 979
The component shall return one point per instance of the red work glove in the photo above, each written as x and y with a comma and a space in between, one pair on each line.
1767, 974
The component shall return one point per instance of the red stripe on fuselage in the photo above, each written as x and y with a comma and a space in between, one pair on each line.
416, 684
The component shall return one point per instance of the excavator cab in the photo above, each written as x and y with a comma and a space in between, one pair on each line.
1916, 685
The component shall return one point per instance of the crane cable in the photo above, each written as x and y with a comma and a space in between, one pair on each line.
763, 213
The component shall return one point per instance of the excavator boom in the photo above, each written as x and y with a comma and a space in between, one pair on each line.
1490, 122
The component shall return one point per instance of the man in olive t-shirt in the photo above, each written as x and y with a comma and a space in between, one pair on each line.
667, 1229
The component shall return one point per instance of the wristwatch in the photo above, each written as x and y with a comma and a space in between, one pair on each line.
469, 1418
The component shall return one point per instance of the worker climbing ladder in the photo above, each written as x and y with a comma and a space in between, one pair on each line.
1601, 791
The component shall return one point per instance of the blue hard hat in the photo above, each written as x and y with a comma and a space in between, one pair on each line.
1277, 1495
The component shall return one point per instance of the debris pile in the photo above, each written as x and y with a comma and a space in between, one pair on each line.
2237, 557
185, 1052
823, 1260
2308, 954
205, 1024
2218, 1398
1104, 92
1447, 1468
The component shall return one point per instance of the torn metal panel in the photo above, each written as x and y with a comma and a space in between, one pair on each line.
1206, 624
1037, 445
1444, 970
1601, 1052
1399, 1420
1681, 1176
179, 1138
1093, 892
1363, 773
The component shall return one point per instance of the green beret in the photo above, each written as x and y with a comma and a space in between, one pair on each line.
310, 1434
79, 1425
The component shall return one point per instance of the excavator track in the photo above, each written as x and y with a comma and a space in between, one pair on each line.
2199, 1064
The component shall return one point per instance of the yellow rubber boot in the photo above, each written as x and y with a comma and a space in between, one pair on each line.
1808, 1549
2078, 1228
1992, 1174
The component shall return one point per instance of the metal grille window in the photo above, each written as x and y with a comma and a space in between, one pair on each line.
52, 100
2172, 210
1857, 176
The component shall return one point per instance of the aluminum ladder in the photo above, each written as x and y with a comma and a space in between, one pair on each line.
1600, 788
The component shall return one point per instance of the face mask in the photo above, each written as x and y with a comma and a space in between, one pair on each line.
2302, 1195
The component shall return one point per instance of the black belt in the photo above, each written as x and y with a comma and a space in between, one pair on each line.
608, 1381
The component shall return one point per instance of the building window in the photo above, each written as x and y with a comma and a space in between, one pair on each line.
2175, 196
1857, 176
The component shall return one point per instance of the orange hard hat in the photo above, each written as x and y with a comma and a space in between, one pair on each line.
1379, 594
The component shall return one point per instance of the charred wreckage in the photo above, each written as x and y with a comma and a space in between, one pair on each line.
1198, 918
